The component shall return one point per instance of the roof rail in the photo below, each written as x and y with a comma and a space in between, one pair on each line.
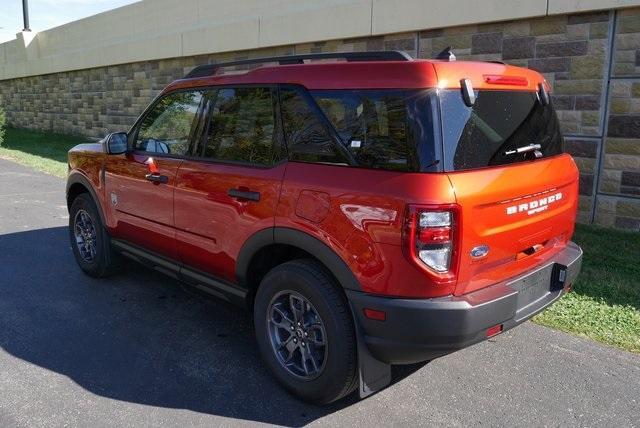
210, 69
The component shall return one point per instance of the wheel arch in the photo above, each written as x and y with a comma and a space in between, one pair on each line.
280, 244
77, 184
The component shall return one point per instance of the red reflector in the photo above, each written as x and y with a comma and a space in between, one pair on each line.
506, 80
496, 329
435, 234
374, 314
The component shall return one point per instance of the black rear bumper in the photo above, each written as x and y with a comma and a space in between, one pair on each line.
422, 329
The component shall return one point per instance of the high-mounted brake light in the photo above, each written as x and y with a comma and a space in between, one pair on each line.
430, 239
506, 80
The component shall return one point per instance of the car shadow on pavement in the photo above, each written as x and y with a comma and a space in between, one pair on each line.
139, 337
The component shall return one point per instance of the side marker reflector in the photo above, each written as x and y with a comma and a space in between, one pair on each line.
374, 314
492, 331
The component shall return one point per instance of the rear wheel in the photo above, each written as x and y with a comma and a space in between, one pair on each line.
305, 332
89, 239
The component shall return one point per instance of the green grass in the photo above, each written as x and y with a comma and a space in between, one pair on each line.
605, 302
42, 151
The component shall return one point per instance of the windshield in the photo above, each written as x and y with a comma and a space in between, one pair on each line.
502, 127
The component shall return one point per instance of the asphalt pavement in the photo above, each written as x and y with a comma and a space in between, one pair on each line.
141, 349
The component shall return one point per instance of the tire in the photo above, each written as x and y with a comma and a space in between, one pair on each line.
97, 260
333, 366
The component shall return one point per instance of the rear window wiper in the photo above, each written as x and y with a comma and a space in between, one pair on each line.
525, 149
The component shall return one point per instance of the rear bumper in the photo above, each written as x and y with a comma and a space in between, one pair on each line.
422, 329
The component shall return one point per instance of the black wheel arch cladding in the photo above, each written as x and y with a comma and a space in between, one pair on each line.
295, 238
77, 178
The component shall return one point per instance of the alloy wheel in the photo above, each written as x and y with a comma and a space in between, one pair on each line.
297, 335
86, 236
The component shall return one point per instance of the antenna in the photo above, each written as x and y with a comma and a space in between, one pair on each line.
446, 55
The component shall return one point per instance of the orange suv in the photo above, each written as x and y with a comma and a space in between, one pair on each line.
367, 208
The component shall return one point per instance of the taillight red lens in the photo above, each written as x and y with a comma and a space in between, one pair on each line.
430, 239
435, 234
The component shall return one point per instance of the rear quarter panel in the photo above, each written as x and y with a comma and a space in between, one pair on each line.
359, 213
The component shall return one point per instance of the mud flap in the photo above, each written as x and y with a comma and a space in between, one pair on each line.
374, 374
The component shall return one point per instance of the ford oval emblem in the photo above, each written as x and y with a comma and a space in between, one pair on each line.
480, 251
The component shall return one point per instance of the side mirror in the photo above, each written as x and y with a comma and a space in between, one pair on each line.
117, 143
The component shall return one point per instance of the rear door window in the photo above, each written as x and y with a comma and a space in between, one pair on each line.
490, 132
308, 138
242, 126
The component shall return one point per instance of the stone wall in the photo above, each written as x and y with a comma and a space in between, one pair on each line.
596, 91
618, 197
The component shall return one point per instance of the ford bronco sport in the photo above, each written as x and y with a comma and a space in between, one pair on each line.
367, 208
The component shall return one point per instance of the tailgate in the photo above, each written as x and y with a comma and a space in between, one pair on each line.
523, 213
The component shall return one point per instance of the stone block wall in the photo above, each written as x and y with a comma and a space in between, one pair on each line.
618, 197
592, 60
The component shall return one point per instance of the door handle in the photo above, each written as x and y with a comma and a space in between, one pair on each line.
156, 178
244, 195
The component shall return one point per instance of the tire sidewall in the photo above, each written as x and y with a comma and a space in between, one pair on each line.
329, 384
97, 265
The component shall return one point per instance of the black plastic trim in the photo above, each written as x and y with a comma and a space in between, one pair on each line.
423, 329
78, 178
205, 282
250, 248
321, 251
301, 240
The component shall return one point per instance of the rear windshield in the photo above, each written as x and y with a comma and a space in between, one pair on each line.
491, 132
384, 129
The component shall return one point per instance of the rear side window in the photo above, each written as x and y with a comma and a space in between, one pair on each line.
490, 132
242, 126
383, 129
167, 127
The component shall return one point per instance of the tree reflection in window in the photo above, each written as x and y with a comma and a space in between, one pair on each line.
167, 127
242, 127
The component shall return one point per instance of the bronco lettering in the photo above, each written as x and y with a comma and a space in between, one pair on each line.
534, 207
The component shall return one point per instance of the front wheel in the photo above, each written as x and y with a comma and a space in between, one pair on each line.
89, 239
305, 332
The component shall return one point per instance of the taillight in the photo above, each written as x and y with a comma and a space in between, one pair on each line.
430, 240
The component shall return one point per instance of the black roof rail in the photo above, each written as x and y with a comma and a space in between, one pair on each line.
210, 69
